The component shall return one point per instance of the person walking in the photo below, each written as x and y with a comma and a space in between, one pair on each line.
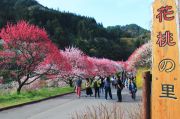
101, 89
78, 87
114, 81
97, 86
120, 87
107, 86
133, 89
88, 87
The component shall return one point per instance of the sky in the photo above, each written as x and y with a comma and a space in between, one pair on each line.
107, 12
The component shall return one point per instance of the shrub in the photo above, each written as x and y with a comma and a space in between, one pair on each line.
103, 111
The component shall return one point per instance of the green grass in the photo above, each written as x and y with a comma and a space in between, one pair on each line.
139, 78
10, 99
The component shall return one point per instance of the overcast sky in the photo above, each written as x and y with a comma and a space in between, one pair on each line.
107, 12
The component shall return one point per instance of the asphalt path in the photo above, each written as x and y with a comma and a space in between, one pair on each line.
63, 107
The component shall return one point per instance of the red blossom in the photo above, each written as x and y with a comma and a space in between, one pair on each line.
29, 52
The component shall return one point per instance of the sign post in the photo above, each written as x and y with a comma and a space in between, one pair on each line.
166, 60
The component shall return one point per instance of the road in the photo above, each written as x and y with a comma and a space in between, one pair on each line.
63, 107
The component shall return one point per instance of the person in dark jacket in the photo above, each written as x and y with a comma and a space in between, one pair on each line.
96, 85
107, 86
101, 89
120, 87
132, 89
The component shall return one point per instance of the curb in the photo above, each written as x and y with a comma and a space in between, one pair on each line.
33, 102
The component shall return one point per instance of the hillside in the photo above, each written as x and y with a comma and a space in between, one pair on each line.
68, 29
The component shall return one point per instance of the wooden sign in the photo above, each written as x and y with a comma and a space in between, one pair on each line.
166, 61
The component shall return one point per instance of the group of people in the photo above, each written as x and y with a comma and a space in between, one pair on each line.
100, 85
103, 85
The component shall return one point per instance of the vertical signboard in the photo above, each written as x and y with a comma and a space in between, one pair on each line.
166, 61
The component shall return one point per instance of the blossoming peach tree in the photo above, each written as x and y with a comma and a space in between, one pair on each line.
29, 54
81, 65
141, 57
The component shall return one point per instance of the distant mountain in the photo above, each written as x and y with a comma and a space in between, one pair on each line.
68, 29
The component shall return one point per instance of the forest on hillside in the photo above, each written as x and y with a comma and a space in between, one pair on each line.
69, 29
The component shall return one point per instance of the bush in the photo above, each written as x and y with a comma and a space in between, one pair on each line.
102, 111
139, 78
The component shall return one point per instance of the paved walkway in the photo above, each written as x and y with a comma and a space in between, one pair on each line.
63, 107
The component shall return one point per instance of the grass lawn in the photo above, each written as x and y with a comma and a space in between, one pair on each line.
10, 99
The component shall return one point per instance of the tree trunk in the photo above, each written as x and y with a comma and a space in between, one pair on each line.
21, 84
19, 89
70, 83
